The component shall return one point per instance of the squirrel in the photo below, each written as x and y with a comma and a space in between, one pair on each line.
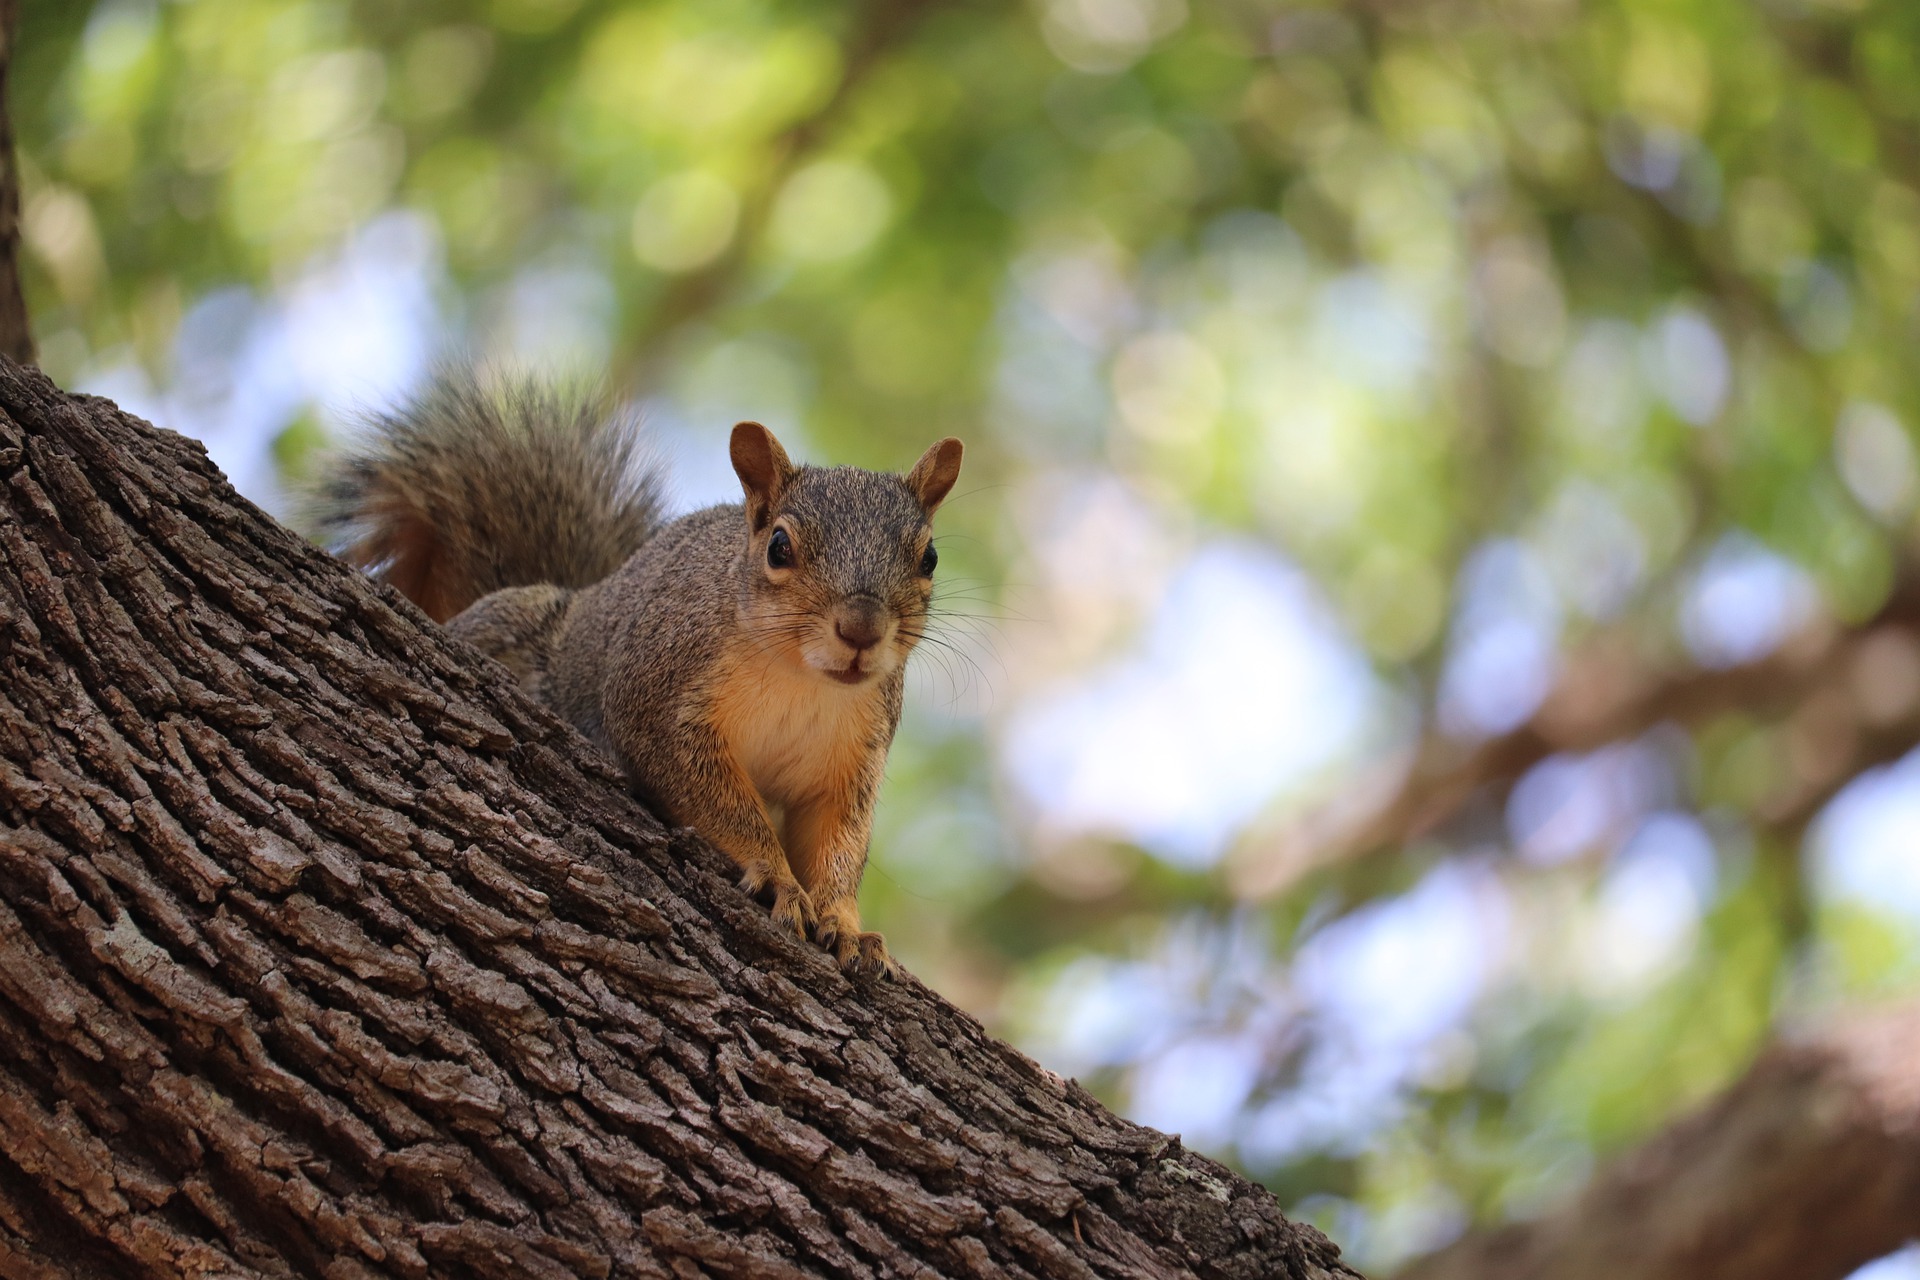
744, 664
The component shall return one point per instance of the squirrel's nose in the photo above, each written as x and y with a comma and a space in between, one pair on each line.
860, 624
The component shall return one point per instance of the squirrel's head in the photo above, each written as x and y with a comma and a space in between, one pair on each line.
839, 564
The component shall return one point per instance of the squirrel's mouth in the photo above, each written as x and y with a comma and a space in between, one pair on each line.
850, 675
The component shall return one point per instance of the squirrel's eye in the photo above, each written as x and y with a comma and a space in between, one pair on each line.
780, 550
928, 561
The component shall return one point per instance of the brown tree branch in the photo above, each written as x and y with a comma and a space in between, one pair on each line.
1847, 699
326, 953
1805, 1169
16, 335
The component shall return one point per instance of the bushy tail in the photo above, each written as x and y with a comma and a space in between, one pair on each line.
472, 488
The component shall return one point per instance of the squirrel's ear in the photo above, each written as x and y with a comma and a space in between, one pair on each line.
932, 477
763, 469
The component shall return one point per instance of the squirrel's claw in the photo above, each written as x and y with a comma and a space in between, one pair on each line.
861, 952
858, 950
793, 908
783, 895
786, 900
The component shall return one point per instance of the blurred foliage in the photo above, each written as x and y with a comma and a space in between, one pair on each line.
1426, 298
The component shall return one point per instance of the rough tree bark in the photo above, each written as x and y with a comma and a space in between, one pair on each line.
1804, 1170
325, 953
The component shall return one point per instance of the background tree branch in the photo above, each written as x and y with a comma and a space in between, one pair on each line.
1807, 1168
16, 335
1848, 698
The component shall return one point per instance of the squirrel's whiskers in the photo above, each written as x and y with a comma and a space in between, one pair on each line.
744, 663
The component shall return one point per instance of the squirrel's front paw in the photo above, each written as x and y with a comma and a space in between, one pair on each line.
786, 900
792, 907
866, 953
858, 950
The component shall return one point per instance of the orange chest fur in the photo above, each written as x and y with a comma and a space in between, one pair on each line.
796, 737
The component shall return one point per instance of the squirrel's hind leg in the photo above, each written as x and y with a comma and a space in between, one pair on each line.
518, 627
